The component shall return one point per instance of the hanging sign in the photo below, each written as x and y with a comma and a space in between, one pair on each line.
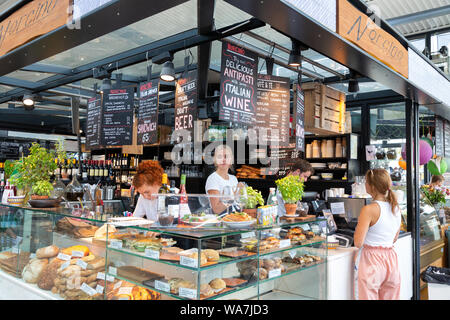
147, 132
94, 122
299, 119
439, 133
117, 124
447, 139
238, 85
359, 29
31, 21
186, 102
273, 107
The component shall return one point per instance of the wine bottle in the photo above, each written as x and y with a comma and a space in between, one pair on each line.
184, 206
173, 202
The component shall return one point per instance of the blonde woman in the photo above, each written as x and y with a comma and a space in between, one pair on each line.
377, 275
217, 181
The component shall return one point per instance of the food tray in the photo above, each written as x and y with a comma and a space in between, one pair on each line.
236, 254
307, 218
234, 282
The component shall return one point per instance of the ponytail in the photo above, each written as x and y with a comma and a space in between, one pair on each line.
392, 199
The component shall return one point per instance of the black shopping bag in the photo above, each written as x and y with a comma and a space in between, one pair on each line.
436, 275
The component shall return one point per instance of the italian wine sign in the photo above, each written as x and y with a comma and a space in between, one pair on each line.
117, 126
147, 132
238, 85
186, 102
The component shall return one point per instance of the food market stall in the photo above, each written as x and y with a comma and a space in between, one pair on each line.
120, 73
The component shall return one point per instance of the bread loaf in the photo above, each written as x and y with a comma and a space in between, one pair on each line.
48, 276
47, 252
33, 270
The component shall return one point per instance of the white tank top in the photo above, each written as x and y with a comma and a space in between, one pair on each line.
383, 232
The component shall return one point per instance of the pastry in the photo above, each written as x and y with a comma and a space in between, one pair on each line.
49, 274
206, 290
33, 270
269, 264
175, 284
47, 252
262, 274
203, 259
173, 249
211, 255
218, 284
100, 233
277, 261
69, 250
96, 263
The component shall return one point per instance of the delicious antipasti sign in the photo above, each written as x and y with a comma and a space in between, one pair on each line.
32, 20
358, 28
238, 84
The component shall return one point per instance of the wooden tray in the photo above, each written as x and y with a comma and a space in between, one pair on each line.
239, 282
164, 255
237, 254
307, 218
136, 274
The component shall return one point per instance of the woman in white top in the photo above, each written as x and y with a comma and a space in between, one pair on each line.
377, 275
147, 181
216, 182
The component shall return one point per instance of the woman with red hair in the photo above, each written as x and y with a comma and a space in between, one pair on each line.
147, 181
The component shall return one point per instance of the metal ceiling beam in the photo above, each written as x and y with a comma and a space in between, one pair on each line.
13, 82
117, 14
175, 43
306, 59
205, 24
46, 68
419, 16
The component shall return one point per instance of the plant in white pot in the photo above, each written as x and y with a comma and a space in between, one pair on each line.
292, 190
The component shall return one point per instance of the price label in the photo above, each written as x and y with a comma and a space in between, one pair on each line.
188, 262
101, 276
152, 254
65, 265
77, 254
187, 293
82, 264
125, 290
292, 253
87, 289
109, 278
116, 244
315, 228
113, 271
64, 257
99, 288
274, 273
33, 256
162, 286
248, 235
285, 243
306, 227
15, 250
117, 285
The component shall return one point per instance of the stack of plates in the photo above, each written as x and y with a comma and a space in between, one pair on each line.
319, 165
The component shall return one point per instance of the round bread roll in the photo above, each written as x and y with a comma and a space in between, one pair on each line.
277, 261
217, 284
206, 290
262, 273
269, 264
203, 259
47, 252
211, 255
33, 270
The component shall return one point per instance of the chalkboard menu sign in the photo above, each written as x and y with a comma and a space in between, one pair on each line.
186, 102
94, 122
238, 85
447, 138
147, 129
273, 107
117, 125
299, 119
439, 134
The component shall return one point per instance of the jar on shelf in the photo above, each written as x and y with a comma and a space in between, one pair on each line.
391, 154
381, 155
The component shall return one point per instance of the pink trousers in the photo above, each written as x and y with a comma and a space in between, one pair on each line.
377, 276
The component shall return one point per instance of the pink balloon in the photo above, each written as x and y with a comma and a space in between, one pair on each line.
425, 152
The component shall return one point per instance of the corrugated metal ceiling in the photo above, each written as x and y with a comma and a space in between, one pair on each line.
389, 9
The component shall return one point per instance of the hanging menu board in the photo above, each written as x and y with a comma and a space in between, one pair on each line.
117, 124
439, 134
94, 122
238, 85
186, 102
446, 139
299, 119
273, 107
147, 132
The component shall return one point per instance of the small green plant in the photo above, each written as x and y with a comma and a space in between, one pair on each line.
9, 168
291, 188
254, 198
42, 188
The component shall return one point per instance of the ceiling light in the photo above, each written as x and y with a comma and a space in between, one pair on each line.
295, 57
28, 100
168, 71
106, 84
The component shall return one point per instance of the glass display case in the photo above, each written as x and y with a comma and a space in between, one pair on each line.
52, 254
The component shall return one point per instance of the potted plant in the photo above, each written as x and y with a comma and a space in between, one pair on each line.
291, 189
41, 190
253, 199
34, 171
